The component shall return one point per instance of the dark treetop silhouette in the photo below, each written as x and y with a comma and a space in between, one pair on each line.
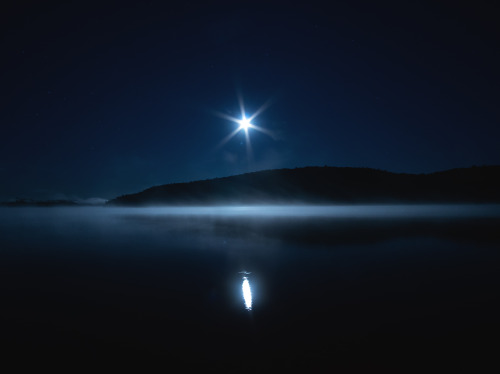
328, 185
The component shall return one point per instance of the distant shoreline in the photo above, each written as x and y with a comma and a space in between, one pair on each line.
45, 203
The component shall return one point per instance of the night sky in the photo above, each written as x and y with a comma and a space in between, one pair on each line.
104, 99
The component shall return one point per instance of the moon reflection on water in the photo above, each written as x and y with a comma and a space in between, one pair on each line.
247, 293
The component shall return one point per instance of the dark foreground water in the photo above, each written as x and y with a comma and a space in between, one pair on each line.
346, 289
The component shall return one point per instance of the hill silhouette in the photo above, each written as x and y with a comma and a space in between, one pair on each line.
320, 185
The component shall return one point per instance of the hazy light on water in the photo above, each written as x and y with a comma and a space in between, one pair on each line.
247, 293
334, 211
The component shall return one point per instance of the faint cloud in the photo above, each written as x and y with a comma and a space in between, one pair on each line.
231, 158
91, 201
78, 200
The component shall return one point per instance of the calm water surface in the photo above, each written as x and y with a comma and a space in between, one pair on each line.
251, 289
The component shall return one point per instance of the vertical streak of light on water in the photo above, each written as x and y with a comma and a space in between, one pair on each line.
247, 293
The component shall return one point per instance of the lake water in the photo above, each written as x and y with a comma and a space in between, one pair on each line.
252, 289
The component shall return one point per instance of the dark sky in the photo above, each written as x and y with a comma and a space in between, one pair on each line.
109, 98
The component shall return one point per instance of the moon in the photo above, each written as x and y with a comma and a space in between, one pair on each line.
244, 123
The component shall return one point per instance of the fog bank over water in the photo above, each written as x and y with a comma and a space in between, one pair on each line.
332, 211
214, 226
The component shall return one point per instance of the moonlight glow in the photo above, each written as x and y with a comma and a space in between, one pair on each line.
244, 124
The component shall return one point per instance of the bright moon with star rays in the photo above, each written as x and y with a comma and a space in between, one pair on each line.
244, 124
